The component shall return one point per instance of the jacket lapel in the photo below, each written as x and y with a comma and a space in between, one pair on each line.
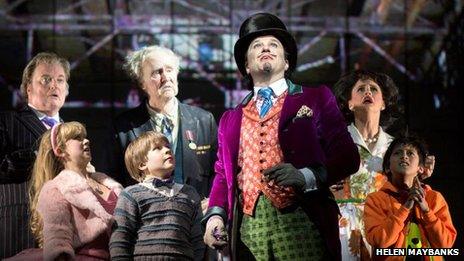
28, 118
187, 122
141, 122
292, 104
142, 128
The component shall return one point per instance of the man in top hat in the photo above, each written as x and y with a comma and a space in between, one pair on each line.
279, 151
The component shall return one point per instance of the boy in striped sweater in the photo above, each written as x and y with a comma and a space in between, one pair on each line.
156, 218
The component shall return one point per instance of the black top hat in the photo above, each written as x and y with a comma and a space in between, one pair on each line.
262, 24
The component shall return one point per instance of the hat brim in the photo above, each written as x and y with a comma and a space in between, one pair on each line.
287, 40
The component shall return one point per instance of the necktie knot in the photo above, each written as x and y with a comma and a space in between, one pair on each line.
49, 121
163, 183
266, 94
167, 123
166, 127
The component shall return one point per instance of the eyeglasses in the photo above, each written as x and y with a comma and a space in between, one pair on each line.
47, 80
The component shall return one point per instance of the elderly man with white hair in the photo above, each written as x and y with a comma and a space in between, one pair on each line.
191, 130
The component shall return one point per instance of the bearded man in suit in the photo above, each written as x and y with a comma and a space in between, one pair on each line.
44, 86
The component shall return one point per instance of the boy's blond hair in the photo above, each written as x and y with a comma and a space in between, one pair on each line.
136, 152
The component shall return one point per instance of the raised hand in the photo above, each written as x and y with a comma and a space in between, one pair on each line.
418, 195
429, 165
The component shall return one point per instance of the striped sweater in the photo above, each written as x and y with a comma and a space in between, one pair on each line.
151, 226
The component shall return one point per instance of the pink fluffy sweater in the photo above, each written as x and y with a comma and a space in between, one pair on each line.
72, 214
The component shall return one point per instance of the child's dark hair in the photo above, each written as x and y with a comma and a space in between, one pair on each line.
412, 140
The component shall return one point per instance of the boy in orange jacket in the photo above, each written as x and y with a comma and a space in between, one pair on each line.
405, 213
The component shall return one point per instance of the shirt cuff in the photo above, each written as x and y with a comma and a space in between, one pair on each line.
310, 180
212, 218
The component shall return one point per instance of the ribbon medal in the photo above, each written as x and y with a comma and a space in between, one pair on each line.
190, 139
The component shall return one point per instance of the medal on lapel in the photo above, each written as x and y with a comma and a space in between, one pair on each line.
189, 135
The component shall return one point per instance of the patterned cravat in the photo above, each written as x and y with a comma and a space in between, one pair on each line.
266, 95
166, 183
49, 121
166, 128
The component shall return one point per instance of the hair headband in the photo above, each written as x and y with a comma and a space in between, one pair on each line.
53, 138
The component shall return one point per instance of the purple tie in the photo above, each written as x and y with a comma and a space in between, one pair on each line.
49, 121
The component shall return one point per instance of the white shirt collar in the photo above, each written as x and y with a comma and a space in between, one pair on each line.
165, 191
42, 115
279, 87
171, 114
383, 140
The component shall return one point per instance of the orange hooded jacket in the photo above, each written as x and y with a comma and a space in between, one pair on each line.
386, 221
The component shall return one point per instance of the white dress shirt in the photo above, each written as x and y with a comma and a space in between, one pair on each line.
41, 115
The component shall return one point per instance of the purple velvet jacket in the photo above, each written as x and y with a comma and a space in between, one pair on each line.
319, 140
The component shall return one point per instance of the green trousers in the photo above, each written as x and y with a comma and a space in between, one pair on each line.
272, 235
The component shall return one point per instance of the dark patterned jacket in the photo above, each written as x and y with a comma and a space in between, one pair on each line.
19, 134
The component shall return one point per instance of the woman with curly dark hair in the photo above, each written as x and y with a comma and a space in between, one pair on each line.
359, 79
368, 101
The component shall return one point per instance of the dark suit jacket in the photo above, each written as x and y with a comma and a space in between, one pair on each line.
19, 134
197, 164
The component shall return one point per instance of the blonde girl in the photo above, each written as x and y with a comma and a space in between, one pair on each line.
71, 207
